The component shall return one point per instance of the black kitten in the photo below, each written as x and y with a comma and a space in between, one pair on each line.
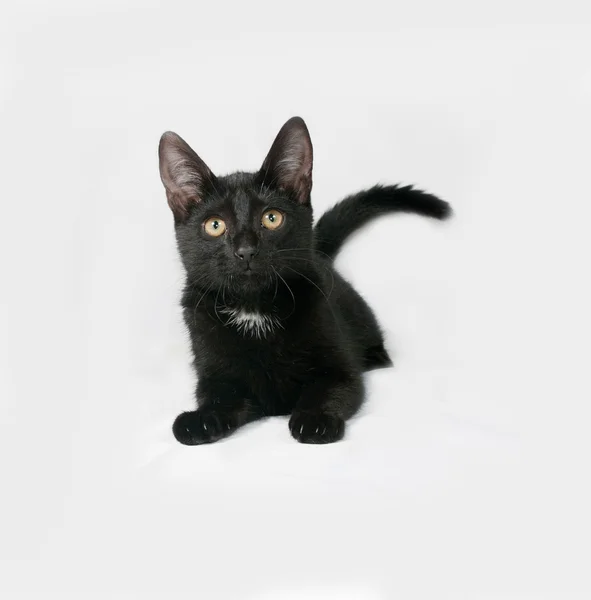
275, 330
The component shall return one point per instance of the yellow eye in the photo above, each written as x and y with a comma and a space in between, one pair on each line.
214, 226
272, 219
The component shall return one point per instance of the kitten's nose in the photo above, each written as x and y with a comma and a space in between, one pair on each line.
246, 253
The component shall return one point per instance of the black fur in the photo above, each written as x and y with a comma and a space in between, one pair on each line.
348, 215
309, 364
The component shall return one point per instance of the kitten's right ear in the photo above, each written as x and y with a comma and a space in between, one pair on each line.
184, 175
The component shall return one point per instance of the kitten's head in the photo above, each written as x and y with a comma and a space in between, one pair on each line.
238, 231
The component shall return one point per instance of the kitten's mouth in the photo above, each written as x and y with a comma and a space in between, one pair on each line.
250, 275
247, 270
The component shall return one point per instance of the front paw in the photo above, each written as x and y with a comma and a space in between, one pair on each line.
316, 427
201, 426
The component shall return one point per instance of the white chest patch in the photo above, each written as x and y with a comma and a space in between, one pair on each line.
251, 323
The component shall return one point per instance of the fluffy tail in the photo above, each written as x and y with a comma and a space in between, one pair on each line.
337, 224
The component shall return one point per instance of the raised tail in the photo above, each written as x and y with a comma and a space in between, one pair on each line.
348, 215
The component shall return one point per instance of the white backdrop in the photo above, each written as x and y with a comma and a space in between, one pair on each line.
467, 473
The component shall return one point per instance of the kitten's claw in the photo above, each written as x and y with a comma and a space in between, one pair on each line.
316, 427
201, 426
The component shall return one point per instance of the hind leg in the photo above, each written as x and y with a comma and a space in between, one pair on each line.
363, 327
376, 357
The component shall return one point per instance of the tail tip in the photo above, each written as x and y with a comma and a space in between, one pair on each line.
442, 210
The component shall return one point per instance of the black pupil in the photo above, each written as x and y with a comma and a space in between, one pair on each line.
271, 217
215, 224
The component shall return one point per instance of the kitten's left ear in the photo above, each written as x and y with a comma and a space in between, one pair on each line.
289, 162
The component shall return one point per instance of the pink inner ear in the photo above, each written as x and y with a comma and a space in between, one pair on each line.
289, 162
179, 203
183, 174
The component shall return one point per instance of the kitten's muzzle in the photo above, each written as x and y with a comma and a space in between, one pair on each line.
245, 255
